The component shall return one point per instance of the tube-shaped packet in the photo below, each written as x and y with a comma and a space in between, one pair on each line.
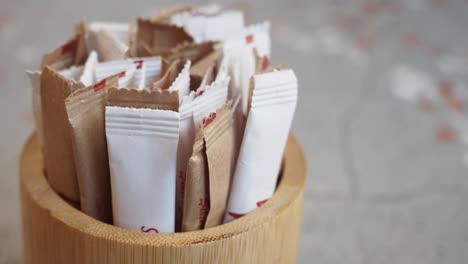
142, 133
85, 108
159, 37
219, 144
272, 106
109, 46
196, 193
58, 152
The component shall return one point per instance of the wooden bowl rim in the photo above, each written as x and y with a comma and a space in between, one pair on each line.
35, 186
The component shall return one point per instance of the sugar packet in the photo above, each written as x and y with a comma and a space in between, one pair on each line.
196, 193
272, 105
85, 109
159, 38
58, 156
219, 144
142, 130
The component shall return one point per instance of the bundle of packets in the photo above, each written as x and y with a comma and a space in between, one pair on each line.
174, 123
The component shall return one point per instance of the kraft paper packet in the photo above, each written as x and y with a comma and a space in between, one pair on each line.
205, 25
160, 38
152, 69
120, 30
142, 130
73, 51
219, 143
189, 51
176, 78
196, 195
272, 105
58, 152
110, 47
199, 69
85, 109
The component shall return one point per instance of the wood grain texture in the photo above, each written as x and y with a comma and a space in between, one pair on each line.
55, 232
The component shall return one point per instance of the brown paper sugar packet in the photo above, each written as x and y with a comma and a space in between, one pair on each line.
109, 46
59, 161
154, 99
199, 85
196, 194
190, 51
82, 50
219, 143
169, 76
161, 38
73, 52
86, 111
204, 65
61, 57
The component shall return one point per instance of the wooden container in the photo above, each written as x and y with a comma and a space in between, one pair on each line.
54, 232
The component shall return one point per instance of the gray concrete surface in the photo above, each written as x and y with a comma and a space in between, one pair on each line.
387, 176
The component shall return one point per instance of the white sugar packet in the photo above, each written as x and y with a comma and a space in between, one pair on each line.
72, 73
87, 76
153, 67
239, 49
138, 79
271, 112
207, 100
142, 145
206, 25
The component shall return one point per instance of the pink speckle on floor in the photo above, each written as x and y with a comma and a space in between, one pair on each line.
412, 40
427, 105
456, 104
35, 15
446, 89
437, 3
4, 21
365, 42
373, 8
446, 134
345, 22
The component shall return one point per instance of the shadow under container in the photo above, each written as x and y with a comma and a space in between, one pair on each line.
54, 232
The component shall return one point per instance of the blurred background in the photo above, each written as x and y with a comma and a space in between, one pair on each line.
382, 117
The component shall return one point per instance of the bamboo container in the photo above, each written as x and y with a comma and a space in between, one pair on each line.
55, 232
